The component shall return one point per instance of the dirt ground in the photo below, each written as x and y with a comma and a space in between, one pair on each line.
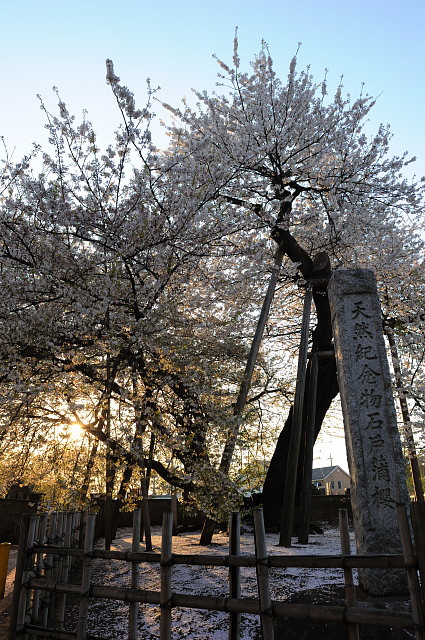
286, 629
5, 608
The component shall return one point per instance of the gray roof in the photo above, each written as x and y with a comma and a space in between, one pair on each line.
321, 473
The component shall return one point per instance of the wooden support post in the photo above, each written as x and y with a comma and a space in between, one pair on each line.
86, 576
305, 510
308, 456
350, 590
234, 574
262, 569
166, 560
135, 575
229, 447
412, 575
287, 514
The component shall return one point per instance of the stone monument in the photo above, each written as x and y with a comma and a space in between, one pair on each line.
375, 459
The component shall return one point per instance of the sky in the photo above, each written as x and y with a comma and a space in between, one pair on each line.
378, 43
43, 44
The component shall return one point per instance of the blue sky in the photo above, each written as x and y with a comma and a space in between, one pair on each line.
46, 43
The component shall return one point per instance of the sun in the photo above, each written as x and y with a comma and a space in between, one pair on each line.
76, 433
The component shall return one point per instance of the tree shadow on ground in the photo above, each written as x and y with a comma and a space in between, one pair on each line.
291, 629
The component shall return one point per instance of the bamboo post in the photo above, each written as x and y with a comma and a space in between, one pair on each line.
86, 576
350, 591
234, 574
262, 569
19, 591
135, 575
65, 569
412, 575
40, 536
48, 569
24, 605
287, 513
166, 561
58, 543
56, 567
77, 529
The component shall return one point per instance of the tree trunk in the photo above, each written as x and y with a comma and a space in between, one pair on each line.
82, 496
327, 389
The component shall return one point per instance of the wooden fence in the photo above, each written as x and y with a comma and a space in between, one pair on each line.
48, 548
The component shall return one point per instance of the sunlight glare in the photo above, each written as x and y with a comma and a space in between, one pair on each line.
76, 433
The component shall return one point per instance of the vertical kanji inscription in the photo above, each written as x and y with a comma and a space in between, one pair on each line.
373, 443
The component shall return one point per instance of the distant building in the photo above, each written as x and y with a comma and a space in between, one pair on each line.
332, 481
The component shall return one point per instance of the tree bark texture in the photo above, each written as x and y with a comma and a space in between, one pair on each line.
327, 389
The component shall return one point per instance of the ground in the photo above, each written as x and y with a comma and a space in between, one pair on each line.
334, 595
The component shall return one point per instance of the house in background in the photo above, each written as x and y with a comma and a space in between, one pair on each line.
331, 481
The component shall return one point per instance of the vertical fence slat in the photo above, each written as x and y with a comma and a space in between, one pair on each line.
48, 570
86, 575
234, 574
76, 539
57, 567
412, 575
135, 575
19, 591
262, 568
166, 593
350, 590
65, 542
40, 536
25, 599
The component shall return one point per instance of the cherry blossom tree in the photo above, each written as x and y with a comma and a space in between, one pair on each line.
132, 279
118, 308
301, 163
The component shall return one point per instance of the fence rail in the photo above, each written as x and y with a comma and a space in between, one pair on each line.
44, 563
